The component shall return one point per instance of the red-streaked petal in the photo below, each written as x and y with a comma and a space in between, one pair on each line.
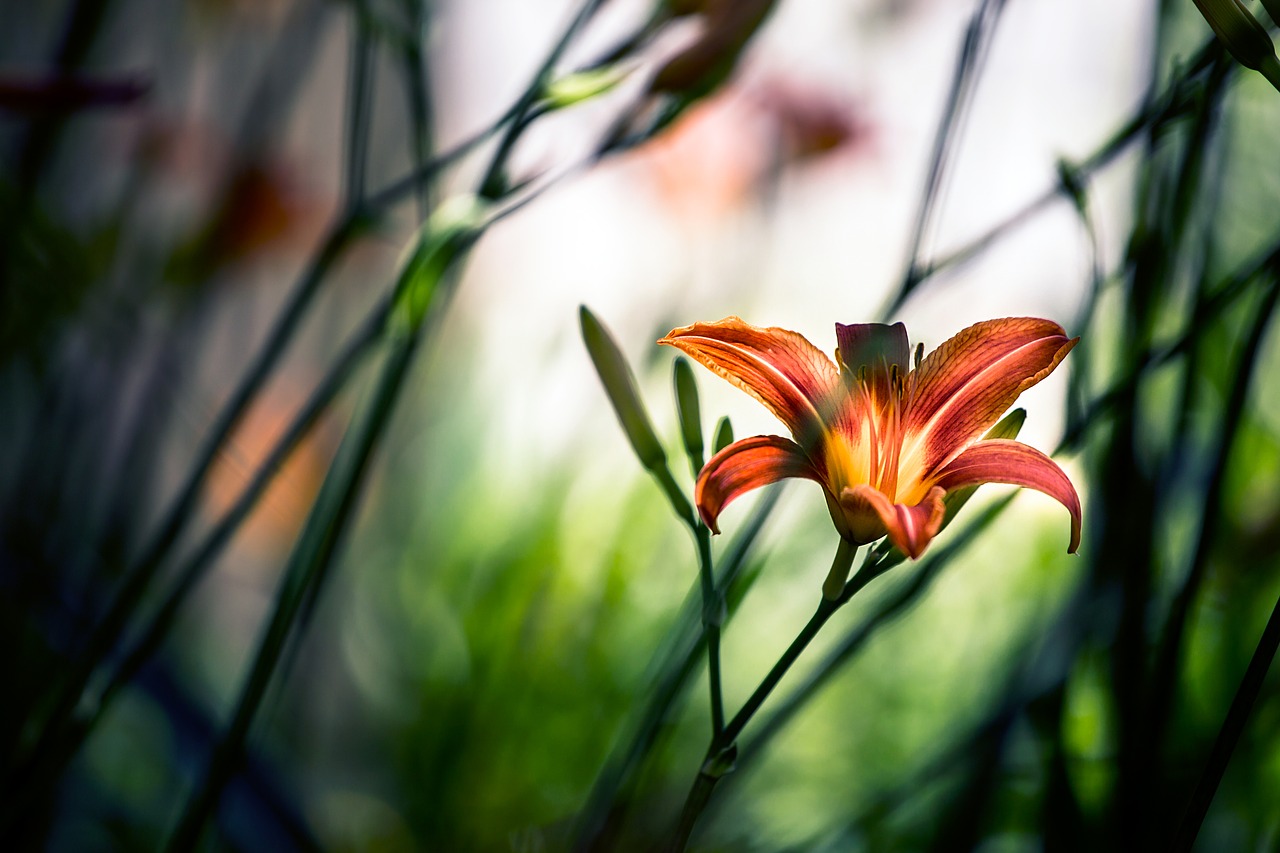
999, 460
965, 385
781, 369
745, 465
910, 528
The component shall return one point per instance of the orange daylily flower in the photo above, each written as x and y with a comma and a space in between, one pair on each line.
886, 442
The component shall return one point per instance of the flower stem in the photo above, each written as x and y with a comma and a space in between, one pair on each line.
722, 752
712, 598
826, 607
1229, 735
712, 618
833, 586
699, 796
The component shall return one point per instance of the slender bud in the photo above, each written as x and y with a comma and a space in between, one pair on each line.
724, 435
1247, 39
620, 386
689, 410
581, 86
445, 237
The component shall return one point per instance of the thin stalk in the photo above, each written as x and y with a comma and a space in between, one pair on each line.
1229, 735
712, 619
963, 82
359, 105
332, 510
1164, 674
56, 747
694, 805
419, 96
311, 558
673, 676
722, 752
139, 575
826, 608
492, 184
712, 598
900, 600
1225, 295
1173, 102
1169, 652
222, 532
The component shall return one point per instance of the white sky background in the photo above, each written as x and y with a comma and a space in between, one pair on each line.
1059, 80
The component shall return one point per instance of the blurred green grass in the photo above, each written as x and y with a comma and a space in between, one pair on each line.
496, 619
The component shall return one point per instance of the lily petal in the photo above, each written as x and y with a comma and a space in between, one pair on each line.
745, 465
794, 379
910, 528
874, 346
965, 385
1003, 461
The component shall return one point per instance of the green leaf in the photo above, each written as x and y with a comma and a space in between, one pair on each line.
446, 236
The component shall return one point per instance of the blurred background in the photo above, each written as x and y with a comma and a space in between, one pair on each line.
282, 573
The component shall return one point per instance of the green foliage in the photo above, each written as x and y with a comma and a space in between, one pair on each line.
449, 648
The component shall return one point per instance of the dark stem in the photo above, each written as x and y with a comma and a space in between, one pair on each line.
712, 619
694, 805
1229, 735
722, 752
315, 551
977, 36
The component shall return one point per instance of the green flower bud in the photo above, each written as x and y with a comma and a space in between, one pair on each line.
620, 386
723, 436
690, 412
443, 239
581, 86
1247, 39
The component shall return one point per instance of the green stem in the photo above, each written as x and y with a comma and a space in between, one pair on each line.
58, 744
712, 619
712, 598
674, 675
1172, 103
307, 567
891, 607
359, 106
826, 608
1229, 735
419, 95
695, 803
722, 751
1169, 649
492, 184
833, 586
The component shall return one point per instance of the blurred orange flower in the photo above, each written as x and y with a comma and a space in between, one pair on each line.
886, 442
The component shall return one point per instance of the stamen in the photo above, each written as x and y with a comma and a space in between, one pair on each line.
893, 437
872, 417
919, 354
